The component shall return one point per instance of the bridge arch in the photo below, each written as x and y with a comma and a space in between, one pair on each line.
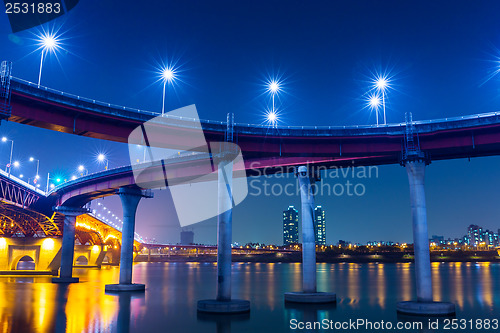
81, 260
18, 263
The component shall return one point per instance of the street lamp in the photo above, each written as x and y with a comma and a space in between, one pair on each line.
381, 84
168, 76
374, 103
102, 159
58, 180
272, 117
48, 42
81, 169
32, 159
4, 139
273, 87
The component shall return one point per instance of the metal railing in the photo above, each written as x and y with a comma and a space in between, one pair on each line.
22, 182
117, 109
128, 168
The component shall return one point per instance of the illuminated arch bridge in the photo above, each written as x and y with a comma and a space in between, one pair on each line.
26, 232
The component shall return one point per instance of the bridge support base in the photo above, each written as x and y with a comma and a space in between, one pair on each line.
231, 306
426, 308
65, 280
119, 287
317, 297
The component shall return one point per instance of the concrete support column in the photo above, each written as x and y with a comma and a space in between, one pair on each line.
424, 305
309, 293
130, 198
224, 230
223, 302
423, 275
68, 243
308, 240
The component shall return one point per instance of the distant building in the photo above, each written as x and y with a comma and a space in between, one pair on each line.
479, 238
319, 226
437, 239
290, 226
380, 243
474, 235
187, 237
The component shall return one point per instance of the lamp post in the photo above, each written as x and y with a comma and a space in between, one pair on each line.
273, 87
102, 159
15, 164
382, 84
81, 169
58, 180
4, 139
48, 42
32, 159
374, 103
168, 76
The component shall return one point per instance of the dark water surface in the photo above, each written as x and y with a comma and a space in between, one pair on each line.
364, 291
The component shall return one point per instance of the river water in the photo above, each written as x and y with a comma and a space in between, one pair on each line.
364, 291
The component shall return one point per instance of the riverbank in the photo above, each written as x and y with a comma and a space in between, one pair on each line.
325, 257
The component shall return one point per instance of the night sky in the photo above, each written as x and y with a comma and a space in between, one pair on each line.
440, 54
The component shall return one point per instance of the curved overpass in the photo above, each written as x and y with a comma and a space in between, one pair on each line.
26, 211
468, 136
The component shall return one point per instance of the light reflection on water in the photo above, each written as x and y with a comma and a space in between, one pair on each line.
371, 291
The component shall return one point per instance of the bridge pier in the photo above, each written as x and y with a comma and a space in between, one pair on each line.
68, 243
130, 198
424, 305
309, 292
223, 302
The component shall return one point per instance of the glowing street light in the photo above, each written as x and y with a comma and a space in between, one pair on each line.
48, 42
58, 180
374, 104
102, 159
82, 169
32, 159
381, 84
4, 139
168, 75
272, 117
273, 87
